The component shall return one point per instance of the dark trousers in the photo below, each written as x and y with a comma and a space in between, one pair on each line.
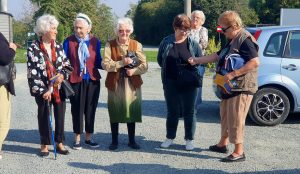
44, 120
115, 132
180, 102
84, 103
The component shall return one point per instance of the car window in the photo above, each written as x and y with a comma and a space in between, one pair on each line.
293, 45
275, 45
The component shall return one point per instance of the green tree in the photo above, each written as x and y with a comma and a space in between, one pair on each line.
153, 19
213, 8
269, 11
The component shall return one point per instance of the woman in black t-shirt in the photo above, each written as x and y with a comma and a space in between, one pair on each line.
234, 106
180, 97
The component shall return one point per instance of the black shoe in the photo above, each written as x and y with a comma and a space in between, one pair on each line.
113, 146
62, 151
44, 154
134, 146
91, 143
215, 148
231, 158
77, 146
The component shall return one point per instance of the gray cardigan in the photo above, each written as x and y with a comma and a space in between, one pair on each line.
166, 44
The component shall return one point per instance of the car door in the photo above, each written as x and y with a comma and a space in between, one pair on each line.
290, 65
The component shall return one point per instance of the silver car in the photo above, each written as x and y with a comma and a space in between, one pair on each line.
279, 74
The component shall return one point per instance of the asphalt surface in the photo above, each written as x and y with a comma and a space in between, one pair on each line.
268, 149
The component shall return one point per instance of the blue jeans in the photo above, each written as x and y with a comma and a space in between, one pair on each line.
180, 101
201, 70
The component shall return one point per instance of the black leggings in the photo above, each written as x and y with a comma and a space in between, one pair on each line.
115, 131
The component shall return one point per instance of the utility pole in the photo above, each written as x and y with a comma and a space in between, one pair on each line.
188, 7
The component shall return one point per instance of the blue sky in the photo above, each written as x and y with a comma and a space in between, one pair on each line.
119, 7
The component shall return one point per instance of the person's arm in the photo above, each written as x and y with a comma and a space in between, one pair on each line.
204, 59
98, 54
248, 67
249, 52
203, 42
34, 74
160, 52
107, 63
8, 51
143, 67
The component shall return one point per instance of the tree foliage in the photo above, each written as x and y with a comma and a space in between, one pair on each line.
153, 18
269, 11
65, 11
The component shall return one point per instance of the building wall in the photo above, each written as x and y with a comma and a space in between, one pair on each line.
6, 26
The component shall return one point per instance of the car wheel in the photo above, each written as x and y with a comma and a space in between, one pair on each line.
269, 107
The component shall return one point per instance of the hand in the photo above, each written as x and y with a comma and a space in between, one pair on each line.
127, 61
59, 79
129, 72
192, 60
47, 96
13, 46
229, 76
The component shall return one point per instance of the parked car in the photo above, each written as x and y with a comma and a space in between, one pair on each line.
278, 75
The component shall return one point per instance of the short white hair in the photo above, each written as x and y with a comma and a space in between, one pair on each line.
201, 14
44, 24
86, 20
124, 21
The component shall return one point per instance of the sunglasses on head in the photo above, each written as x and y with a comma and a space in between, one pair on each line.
225, 29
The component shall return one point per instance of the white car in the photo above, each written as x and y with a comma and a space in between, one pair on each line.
278, 75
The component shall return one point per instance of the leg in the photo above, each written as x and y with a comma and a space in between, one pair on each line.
131, 135
173, 106
224, 112
201, 71
188, 97
59, 115
77, 109
92, 91
114, 136
237, 120
5, 114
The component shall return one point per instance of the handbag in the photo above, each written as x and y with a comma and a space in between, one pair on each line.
67, 89
135, 60
7, 73
189, 77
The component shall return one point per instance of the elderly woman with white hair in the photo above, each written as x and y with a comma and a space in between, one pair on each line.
200, 34
46, 59
124, 61
83, 51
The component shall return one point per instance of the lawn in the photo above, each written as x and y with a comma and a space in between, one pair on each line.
21, 55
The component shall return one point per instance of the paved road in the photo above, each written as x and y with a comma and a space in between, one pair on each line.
268, 149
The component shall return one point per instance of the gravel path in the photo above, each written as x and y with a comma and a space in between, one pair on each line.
268, 149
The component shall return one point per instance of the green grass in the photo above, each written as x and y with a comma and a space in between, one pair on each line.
151, 56
21, 55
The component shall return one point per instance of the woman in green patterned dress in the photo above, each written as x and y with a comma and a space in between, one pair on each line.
124, 61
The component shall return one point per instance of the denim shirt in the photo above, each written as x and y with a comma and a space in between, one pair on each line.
166, 44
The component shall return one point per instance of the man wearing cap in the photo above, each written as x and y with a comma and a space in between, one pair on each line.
83, 50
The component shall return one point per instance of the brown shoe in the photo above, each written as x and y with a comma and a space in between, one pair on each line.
215, 148
231, 158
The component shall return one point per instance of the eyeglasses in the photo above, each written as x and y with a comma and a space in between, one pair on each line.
187, 31
124, 31
225, 29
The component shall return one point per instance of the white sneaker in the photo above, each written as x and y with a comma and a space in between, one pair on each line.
167, 143
189, 145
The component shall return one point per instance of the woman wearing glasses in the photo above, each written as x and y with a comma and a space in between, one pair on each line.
200, 34
234, 106
125, 62
173, 54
